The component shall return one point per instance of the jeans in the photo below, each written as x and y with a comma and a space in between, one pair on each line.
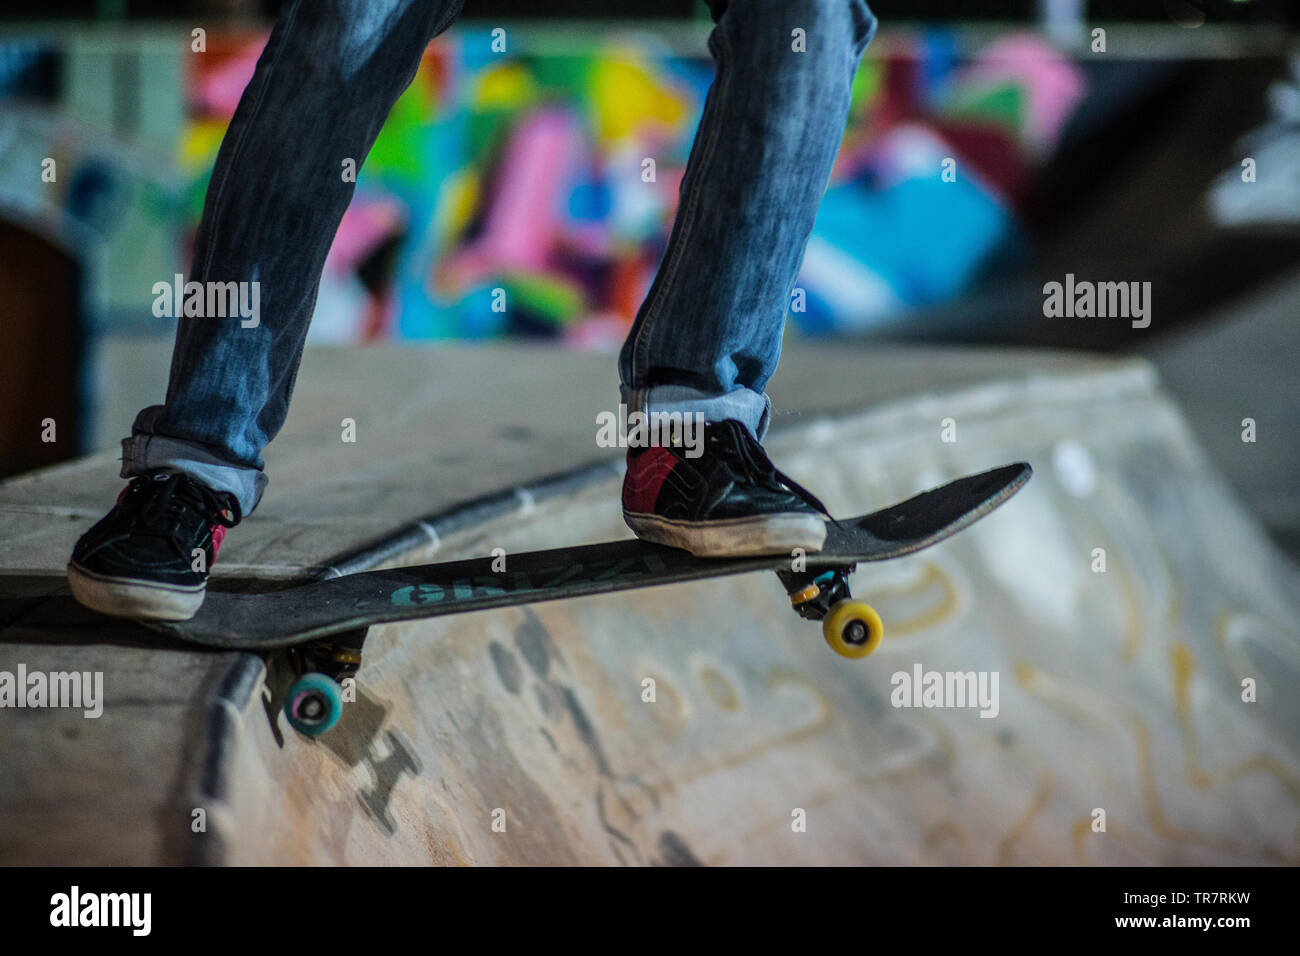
706, 339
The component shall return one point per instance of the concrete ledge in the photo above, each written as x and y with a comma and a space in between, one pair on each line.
1118, 690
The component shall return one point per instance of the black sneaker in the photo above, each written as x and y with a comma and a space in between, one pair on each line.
731, 500
138, 561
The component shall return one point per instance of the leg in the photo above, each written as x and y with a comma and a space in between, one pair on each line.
330, 72
708, 335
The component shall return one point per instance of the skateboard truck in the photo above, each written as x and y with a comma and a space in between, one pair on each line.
315, 700
851, 628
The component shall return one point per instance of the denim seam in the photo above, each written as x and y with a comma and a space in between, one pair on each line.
243, 133
640, 357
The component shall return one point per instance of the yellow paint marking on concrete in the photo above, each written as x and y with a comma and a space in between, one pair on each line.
944, 604
1184, 669
776, 678
1019, 829
1089, 705
928, 762
941, 831
1079, 833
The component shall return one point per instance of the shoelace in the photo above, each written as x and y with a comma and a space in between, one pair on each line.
743, 450
176, 501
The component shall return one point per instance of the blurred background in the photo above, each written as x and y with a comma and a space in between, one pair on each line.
1122, 164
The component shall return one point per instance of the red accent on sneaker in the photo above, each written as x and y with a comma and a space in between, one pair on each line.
218, 535
646, 474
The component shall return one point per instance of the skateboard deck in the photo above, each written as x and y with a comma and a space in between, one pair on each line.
321, 609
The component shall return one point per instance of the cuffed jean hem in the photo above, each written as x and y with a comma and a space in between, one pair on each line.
752, 409
142, 454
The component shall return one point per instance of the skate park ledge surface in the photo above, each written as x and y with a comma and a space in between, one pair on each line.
1119, 604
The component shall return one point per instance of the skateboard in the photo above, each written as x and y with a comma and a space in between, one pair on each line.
324, 623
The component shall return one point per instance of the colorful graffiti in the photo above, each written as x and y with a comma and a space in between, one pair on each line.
523, 173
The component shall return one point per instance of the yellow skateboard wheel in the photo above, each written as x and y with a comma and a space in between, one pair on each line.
853, 629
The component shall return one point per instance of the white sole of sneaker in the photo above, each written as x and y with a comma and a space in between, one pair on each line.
134, 598
736, 537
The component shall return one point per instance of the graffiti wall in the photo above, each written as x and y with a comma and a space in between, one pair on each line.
532, 193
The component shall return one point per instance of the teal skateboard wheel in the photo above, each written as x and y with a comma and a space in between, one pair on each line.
314, 705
